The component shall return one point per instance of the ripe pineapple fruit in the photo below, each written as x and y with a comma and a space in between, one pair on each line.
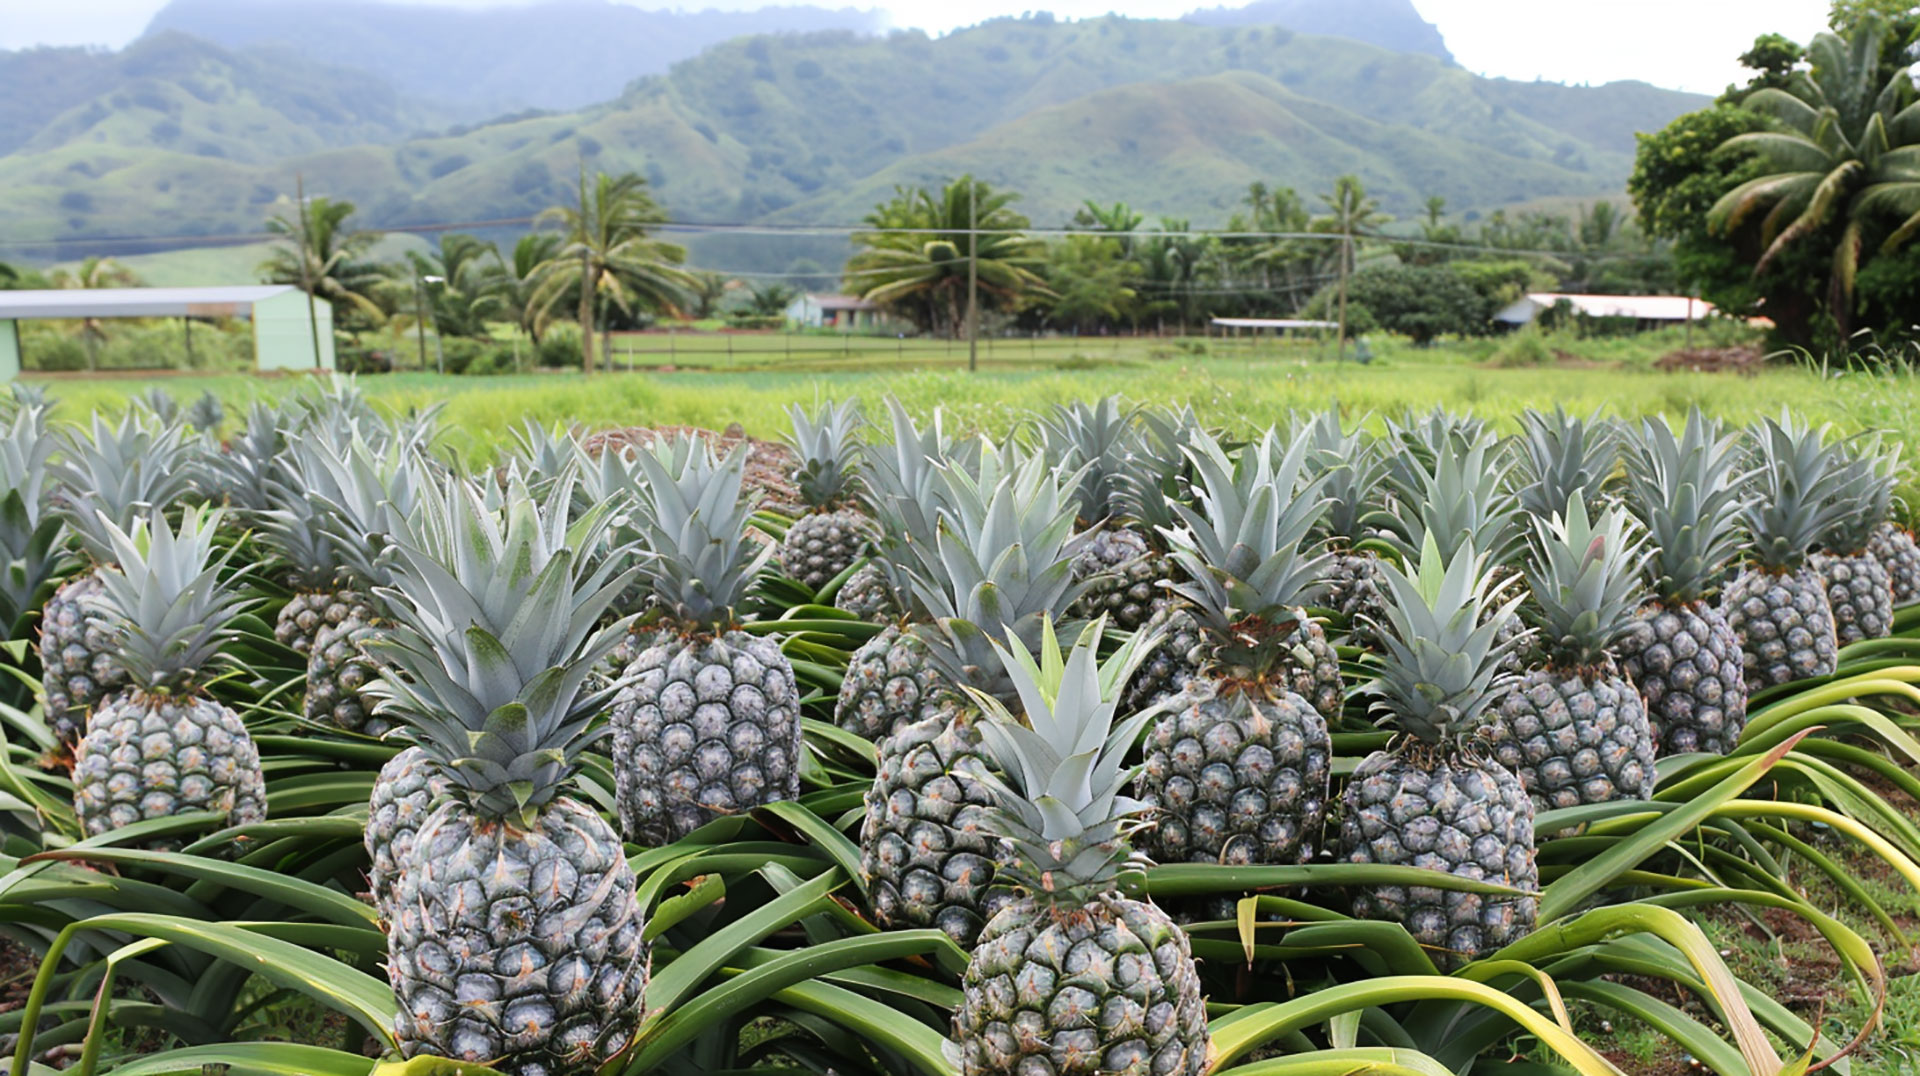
928, 860
408, 789
1434, 799
1778, 604
709, 721
1681, 652
1126, 576
1071, 978
160, 745
514, 936
1237, 767
834, 533
116, 472
1573, 726
1859, 587
1894, 547
298, 540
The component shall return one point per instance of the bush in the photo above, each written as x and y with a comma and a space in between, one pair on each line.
56, 354
560, 347
756, 321
477, 358
1526, 347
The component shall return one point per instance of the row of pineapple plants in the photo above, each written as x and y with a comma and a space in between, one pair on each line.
1005, 789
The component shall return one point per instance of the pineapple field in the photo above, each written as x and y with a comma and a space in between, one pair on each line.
372, 735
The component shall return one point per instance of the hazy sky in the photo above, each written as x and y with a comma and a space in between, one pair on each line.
1688, 44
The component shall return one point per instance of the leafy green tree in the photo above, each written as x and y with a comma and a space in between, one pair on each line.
610, 258
465, 283
336, 270
1351, 214
771, 300
521, 281
1119, 217
705, 290
1176, 269
1842, 151
1093, 283
1274, 271
914, 258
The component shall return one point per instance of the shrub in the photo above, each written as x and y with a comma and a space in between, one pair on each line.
560, 347
1526, 347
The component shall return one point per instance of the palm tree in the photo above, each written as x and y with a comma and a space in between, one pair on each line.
470, 283
772, 299
609, 257
1845, 151
335, 269
521, 279
1172, 265
95, 272
1119, 218
1350, 214
916, 260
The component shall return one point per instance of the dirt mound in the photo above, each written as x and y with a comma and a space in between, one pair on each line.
1713, 360
769, 463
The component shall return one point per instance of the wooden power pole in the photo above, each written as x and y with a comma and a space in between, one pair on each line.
973, 277
306, 273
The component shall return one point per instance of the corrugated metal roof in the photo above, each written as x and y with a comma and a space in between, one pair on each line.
1273, 323
137, 302
1638, 307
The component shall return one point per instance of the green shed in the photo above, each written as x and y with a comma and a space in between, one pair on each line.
283, 337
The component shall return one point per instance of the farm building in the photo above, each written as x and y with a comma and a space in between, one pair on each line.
1651, 311
848, 313
283, 337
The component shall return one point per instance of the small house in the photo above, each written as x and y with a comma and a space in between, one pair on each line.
847, 313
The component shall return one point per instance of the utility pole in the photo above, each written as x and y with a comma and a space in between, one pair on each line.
1346, 254
306, 275
420, 315
973, 277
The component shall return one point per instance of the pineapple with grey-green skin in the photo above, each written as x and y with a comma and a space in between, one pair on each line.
1681, 652
407, 790
834, 533
299, 543
1859, 587
1126, 575
1355, 468
1777, 605
1573, 726
1892, 544
514, 937
708, 724
117, 471
927, 858
1435, 798
1238, 764
1072, 978
160, 745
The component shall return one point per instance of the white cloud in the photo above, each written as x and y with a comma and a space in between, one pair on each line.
1687, 44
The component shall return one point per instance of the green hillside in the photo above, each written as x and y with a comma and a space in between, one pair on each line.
1172, 116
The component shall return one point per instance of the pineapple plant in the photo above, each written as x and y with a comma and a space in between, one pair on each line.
1434, 798
1355, 468
1563, 456
927, 858
1238, 764
102, 482
30, 533
1681, 652
160, 744
1574, 727
1777, 605
405, 793
1859, 587
1892, 544
833, 533
708, 723
1125, 575
1071, 978
514, 938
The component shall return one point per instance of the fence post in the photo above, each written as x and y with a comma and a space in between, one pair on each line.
789, 336
673, 353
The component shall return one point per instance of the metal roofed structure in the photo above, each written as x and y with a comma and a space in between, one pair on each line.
283, 337
1642, 308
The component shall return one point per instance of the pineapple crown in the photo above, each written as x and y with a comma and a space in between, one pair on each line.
1799, 490
905, 488
1865, 496
206, 414
364, 495
116, 473
1685, 492
828, 442
1585, 578
1416, 442
299, 528
1101, 440
1463, 500
692, 517
1355, 468
159, 404
542, 452
1156, 479
1564, 456
1002, 563
1061, 804
241, 475
30, 534
496, 640
166, 594
1241, 546
1440, 662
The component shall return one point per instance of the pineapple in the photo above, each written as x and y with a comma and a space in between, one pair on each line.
1574, 727
1894, 547
406, 792
1237, 768
1564, 457
1072, 978
514, 936
1355, 470
1434, 799
1859, 587
834, 533
30, 534
1681, 652
709, 722
116, 474
1778, 604
160, 745
242, 473
927, 859
1126, 576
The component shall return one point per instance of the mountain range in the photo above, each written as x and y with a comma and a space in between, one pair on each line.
179, 136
